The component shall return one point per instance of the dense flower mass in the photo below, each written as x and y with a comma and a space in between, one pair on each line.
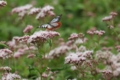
23, 39
41, 36
21, 8
5, 53
57, 52
10, 76
97, 32
46, 10
30, 10
78, 58
23, 51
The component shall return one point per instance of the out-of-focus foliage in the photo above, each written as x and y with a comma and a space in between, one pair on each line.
78, 15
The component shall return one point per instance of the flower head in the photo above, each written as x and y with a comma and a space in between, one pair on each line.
34, 11
3, 3
73, 36
10, 76
28, 29
41, 36
6, 68
46, 10
107, 18
5, 53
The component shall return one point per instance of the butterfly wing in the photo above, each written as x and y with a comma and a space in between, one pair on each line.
56, 19
45, 26
54, 24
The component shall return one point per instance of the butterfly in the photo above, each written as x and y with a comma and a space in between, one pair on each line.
53, 24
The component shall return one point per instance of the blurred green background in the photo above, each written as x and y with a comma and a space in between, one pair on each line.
78, 16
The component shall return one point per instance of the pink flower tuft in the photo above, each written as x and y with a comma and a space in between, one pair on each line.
28, 29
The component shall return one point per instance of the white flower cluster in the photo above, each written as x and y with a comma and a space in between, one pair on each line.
28, 28
34, 11
44, 11
23, 39
98, 32
3, 3
78, 57
22, 51
41, 36
111, 61
6, 68
107, 18
103, 55
30, 10
10, 76
22, 10
5, 53
61, 50
73, 36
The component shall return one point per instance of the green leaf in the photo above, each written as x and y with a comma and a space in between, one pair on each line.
50, 42
3, 46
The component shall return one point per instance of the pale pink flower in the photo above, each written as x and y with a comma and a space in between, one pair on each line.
28, 29
107, 18
3, 3
57, 52
5, 68
100, 32
80, 41
113, 14
25, 50
90, 32
5, 53
117, 47
112, 59
73, 68
115, 65
19, 53
41, 36
87, 53
23, 39
31, 55
21, 8
47, 8
118, 57
73, 36
44, 75
106, 72
34, 11
73, 58
22, 14
10, 76
18, 42
40, 15
81, 49
70, 42
103, 54
116, 72
51, 13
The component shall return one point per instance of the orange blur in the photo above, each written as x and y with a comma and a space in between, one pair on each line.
59, 24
